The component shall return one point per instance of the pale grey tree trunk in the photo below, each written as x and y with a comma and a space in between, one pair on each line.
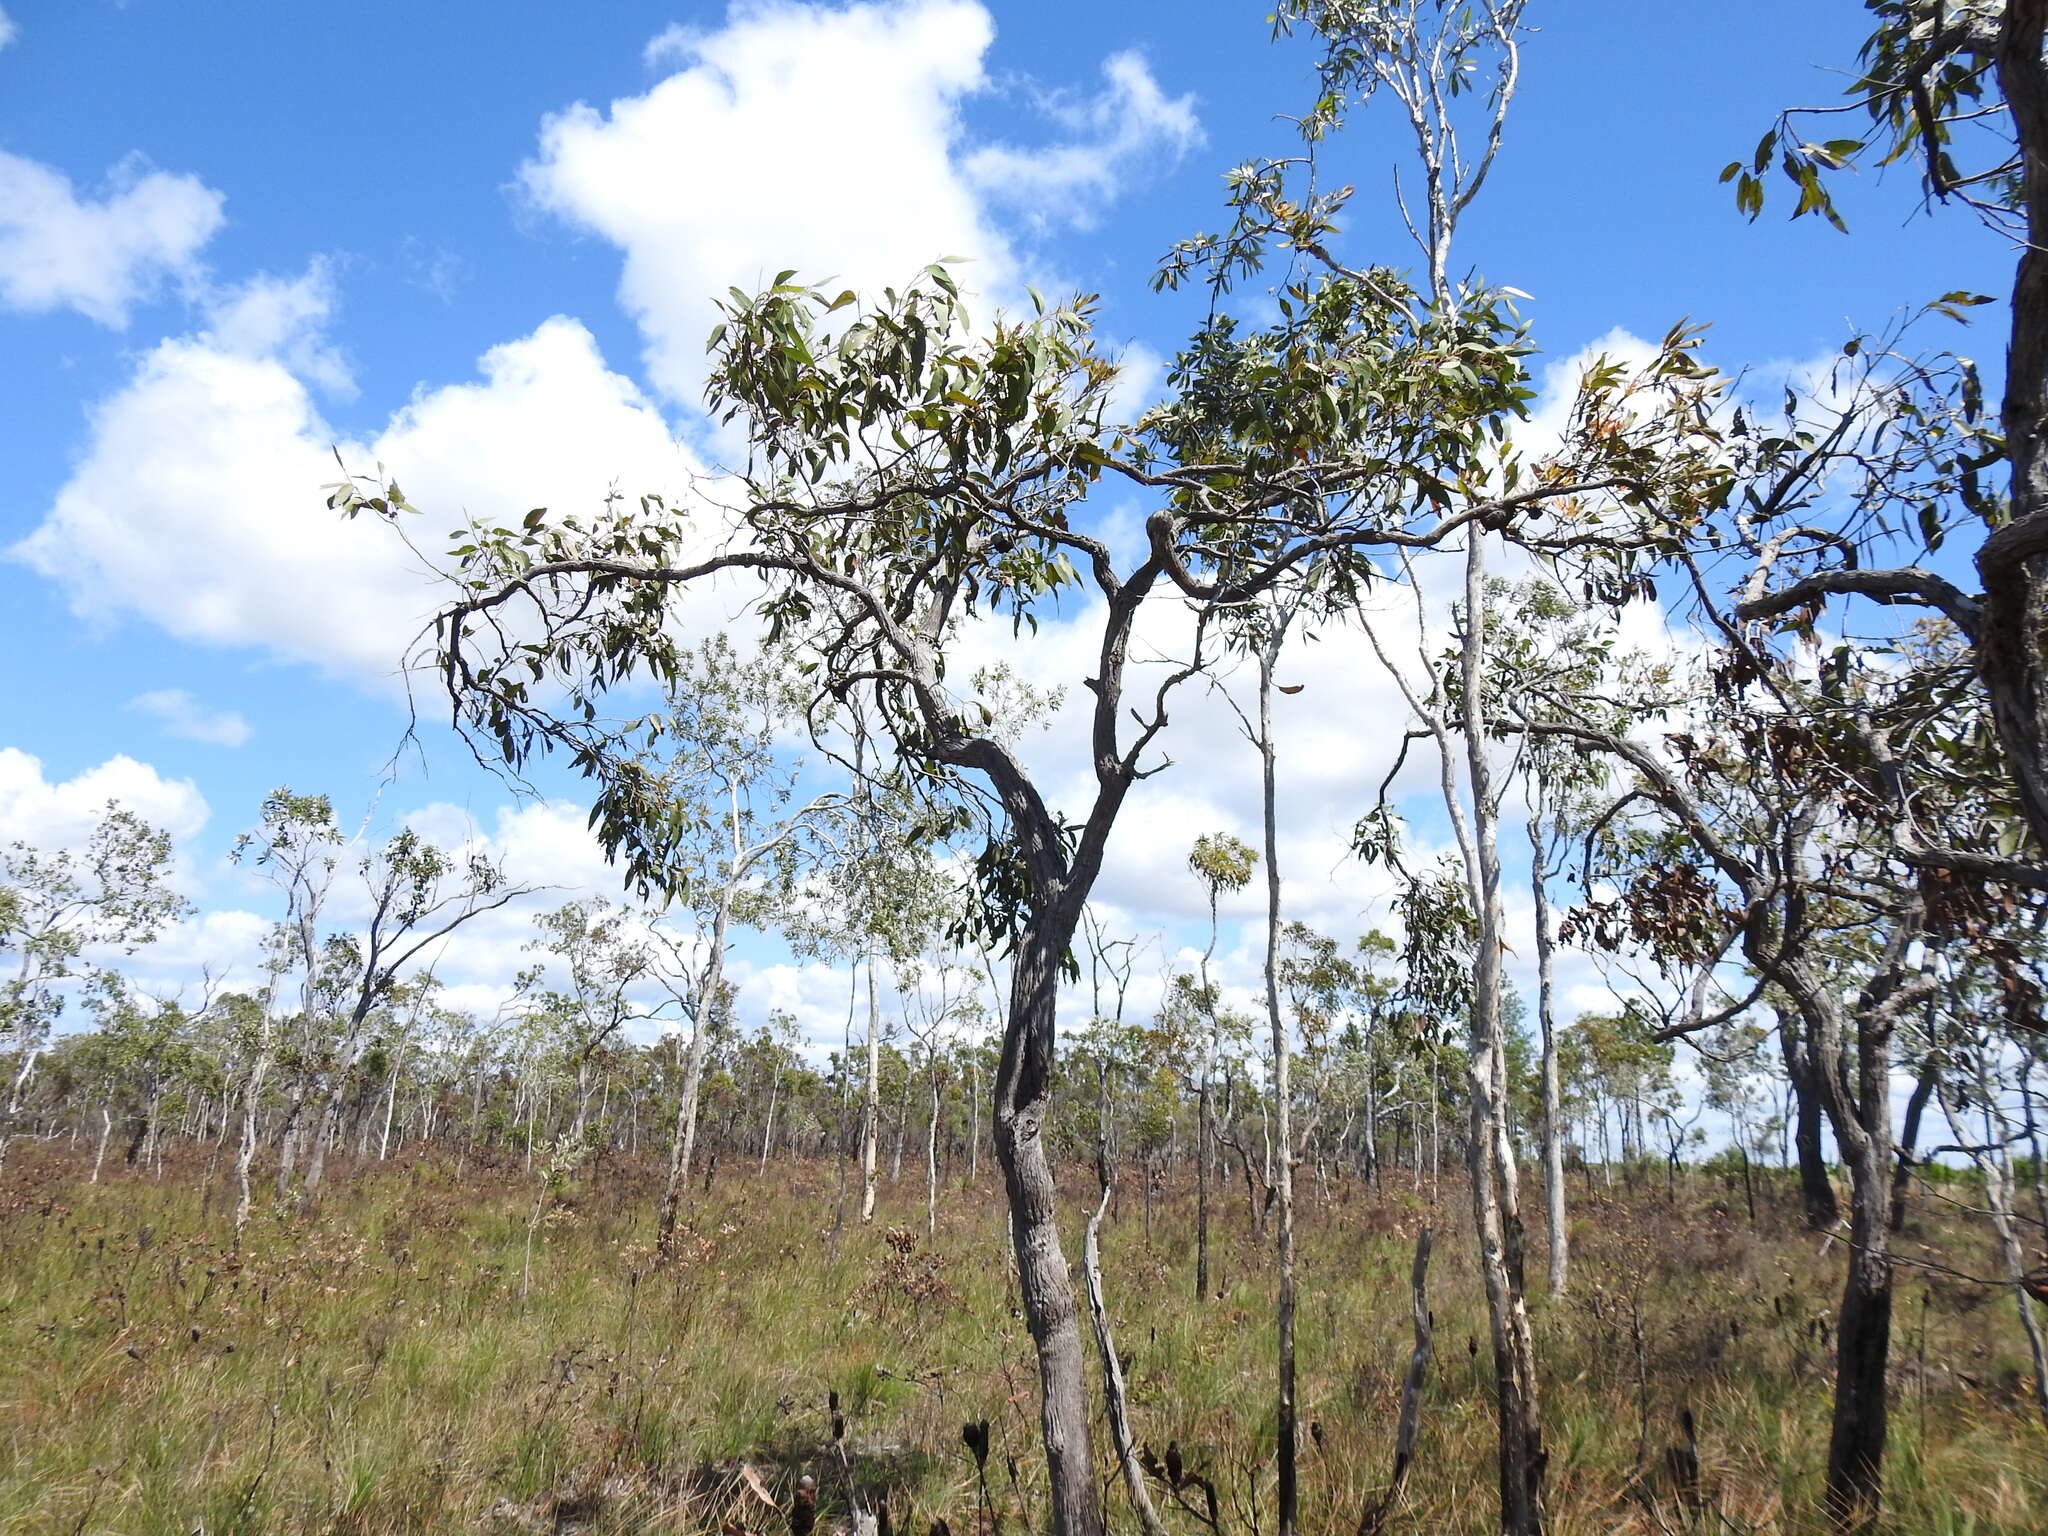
390, 1108
1994, 1162
1283, 1091
1553, 1112
871, 1108
683, 1140
252, 1095
1023, 1093
1490, 1153
902, 1122
106, 1131
973, 1124
931, 1150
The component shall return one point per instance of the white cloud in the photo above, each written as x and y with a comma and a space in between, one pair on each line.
99, 257
198, 504
62, 814
796, 136
1131, 120
182, 715
223, 947
825, 140
8, 30
286, 319
542, 843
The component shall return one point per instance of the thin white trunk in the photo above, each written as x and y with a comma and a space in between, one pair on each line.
871, 1109
1282, 1169
1553, 1117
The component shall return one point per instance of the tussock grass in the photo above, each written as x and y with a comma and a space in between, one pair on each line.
376, 1368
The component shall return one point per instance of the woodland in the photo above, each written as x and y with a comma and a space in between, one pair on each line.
1388, 1243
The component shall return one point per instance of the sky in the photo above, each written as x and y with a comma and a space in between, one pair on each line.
479, 243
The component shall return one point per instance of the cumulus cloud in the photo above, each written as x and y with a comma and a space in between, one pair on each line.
283, 319
62, 813
795, 136
198, 502
8, 30
182, 715
829, 141
101, 256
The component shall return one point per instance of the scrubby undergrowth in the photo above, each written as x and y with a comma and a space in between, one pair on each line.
406, 1360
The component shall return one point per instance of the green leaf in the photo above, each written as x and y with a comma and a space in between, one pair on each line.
1930, 525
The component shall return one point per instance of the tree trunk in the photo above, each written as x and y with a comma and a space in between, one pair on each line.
288, 1137
1863, 1345
1283, 1108
390, 1109
1816, 1188
1553, 1113
1490, 1155
931, 1153
871, 1111
327, 1128
106, 1131
1909, 1130
902, 1122
1023, 1091
1205, 1143
245, 1154
683, 1142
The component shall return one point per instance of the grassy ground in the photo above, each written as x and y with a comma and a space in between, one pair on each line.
403, 1362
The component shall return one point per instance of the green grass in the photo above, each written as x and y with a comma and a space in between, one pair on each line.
375, 1368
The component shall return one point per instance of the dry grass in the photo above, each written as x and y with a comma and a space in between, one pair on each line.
377, 1368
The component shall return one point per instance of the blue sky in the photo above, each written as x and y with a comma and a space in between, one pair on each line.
232, 233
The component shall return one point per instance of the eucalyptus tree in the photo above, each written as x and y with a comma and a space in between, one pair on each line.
604, 952
1766, 829
1831, 797
1319, 982
141, 1050
1362, 1036
56, 907
1451, 68
739, 838
1222, 863
1546, 634
295, 846
1988, 1144
941, 999
1960, 89
881, 896
418, 895
1260, 630
913, 481
1736, 1082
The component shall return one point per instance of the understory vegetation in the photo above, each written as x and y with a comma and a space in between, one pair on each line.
398, 1362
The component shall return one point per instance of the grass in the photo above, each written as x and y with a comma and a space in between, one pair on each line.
375, 1368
